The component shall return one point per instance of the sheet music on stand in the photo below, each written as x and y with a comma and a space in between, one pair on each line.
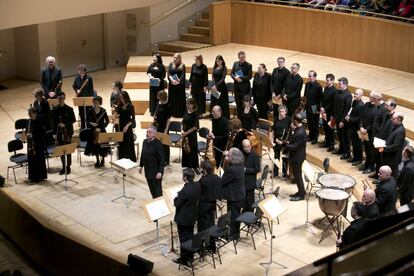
379, 143
156, 208
271, 207
124, 164
172, 193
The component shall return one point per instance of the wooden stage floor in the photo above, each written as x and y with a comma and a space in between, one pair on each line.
85, 213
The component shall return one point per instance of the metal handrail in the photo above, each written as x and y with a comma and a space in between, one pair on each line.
340, 8
168, 13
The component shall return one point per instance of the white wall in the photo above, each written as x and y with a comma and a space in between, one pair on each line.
8, 60
27, 52
115, 39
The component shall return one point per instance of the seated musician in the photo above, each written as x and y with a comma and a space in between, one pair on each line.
249, 116
97, 120
280, 131
386, 191
358, 228
371, 207
237, 134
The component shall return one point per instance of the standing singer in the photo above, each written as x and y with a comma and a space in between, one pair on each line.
83, 86
36, 147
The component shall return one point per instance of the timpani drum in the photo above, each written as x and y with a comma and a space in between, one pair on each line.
337, 181
332, 201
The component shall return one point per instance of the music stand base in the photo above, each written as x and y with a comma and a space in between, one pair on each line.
108, 171
127, 199
268, 265
66, 183
306, 226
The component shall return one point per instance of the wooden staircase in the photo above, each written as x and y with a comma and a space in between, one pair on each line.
197, 37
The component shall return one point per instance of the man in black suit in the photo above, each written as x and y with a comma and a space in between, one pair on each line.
210, 192
51, 79
251, 168
342, 106
296, 147
371, 207
353, 119
358, 229
241, 81
234, 190
186, 213
392, 153
219, 134
386, 191
152, 159
377, 125
279, 76
313, 94
63, 119
405, 181
327, 104
292, 89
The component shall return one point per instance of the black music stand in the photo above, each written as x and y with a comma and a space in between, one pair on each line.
63, 151
124, 165
170, 194
83, 101
110, 140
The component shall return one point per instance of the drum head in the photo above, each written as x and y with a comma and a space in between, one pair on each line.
332, 194
337, 180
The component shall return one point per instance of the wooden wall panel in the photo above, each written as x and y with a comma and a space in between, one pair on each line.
339, 35
220, 23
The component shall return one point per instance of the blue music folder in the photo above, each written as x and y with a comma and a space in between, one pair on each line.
154, 82
239, 74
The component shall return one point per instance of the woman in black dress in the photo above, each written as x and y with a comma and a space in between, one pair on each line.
219, 84
176, 86
249, 116
117, 87
42, 108
126, 112
162, 117
36, 147
198, 83
96, 120
189, 134
155, 71
262, 91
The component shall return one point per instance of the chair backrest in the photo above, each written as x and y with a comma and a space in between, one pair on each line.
84, 134
326, 164
20, 124
14, 145
230, 86
224, 220
263, 124
265, 172
201, 238
203, 132
259, 214
175, 126
276, 192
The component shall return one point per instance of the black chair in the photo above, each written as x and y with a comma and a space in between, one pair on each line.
83, 141
326, 167
252, 223
20, 160
220, 233
230, 87
260, 182
199, 244
174, 130
202, 145
20, 125
50, 145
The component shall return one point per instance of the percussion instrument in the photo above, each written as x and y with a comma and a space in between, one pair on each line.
337, 181
332, 202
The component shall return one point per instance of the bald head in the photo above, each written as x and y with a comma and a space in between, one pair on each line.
247, 146
216, 112
384, 173
358, 94
368, 197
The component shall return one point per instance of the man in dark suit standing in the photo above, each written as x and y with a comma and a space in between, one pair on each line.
296, 147
353, 122
251, 168
51, 79
83, 87
279, 76
313, 94
210, 192
358, 228
292, 89
186, 204
234, 190
327, 104
377, 125
241, 73
405, 181
386, 191
219, 134
152, 159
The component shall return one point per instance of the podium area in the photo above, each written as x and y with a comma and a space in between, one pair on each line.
84, 216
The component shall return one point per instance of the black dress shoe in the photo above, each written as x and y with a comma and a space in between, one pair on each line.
337, 152
102, 163
350, 160
357, 162
344, 156
331, 148
375, 182
68, 170
323, 145
367, 171
297, 198
97, 164
373, 175
314, 142
362, 168
62, 171
294, 195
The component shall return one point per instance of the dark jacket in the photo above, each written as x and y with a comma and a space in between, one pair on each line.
50, 80
386, 195
87, 90
343, 100
297, 146
328, 100
211, 189
262, 86
292, 89
152, 158
405, 183
367, 117
356, 113
372, 211
394, 145
232, 182
244, 85
252, 167
355, 232
379, 119
186, 204
279, 77
65, 115
313, 94
387, 127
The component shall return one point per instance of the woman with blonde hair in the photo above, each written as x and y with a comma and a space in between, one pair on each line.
176, 86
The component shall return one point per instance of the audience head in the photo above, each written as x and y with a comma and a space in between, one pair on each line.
235, 156
162, 96
51, 62
357, 210
97, 100
397, 118
294, 69
247, 145
206, 166
282, 109
177, 59
297, 119
342, 83
242, 56
368, 197
281, 62
312, 75
117, 86
408, 153
358, 94
261, 69
216, 112
191, 105
38, 93
390, 105
188, 175
198, 59
330, 78
157, 59
235, 124
151, 131
219, 61
82, 69
384, 173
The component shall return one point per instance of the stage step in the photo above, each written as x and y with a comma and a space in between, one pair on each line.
136, 80
202, 22
195, 38
178, 46
164, 53
199, 30
205, 15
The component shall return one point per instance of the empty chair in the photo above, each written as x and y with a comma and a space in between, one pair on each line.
220, 233
83, 140
50, 145
260, 182
19, 159
20, 125
174, 130
202, 145
252, 224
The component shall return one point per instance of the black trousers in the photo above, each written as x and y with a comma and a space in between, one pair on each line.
313, 125
297, 174
343, 138
185, 233
205, 217
356, 144
369, 154
235, 208
329, 134
155, 187
248, 202
167, 154
277, 149
238, 98
262, 107
69, 156
82, 115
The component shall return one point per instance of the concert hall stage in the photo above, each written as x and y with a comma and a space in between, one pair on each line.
92, 231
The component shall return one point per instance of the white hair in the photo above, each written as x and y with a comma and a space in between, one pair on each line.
50, 58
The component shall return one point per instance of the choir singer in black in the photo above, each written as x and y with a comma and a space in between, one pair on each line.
327, 104
281, 124
36, 148
313, 94
279, 76
156, 71
51, 80
405, 182
241, 73
219, 134
292, 89
251, 169
42, 108
198, 83
63, 119
262, 91
152, 160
